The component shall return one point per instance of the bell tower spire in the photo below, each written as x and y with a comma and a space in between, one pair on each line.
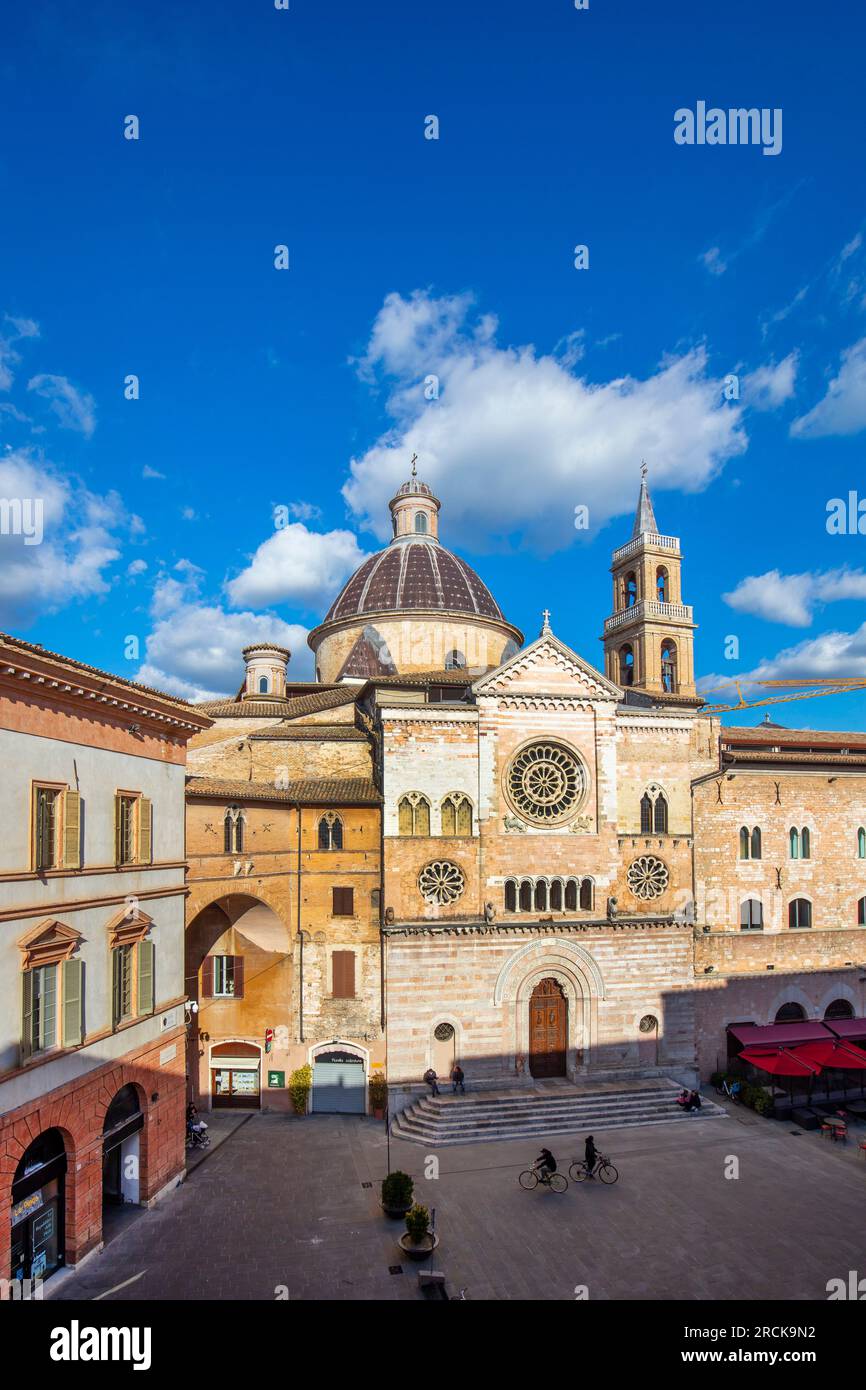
648, 638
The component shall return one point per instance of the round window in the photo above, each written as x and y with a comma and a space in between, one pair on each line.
647, 877
441, 882
545, 783
443, 1032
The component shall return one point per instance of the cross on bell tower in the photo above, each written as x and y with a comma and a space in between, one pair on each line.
648, 639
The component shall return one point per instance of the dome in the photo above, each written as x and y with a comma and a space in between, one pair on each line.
414, 576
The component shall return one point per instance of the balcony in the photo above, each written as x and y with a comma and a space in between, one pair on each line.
649, 608
650, 540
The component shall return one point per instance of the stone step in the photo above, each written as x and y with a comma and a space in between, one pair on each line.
434, 1122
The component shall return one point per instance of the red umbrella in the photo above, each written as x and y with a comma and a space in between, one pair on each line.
781, 1061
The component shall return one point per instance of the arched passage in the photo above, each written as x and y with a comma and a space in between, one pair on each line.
39, 1207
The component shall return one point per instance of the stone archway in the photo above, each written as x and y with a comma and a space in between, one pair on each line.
576, 974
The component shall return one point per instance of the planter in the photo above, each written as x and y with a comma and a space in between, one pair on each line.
396, 1213
378, 1114
418, 1252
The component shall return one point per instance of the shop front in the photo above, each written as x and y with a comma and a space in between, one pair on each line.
236, 1076
121, 1151
38, 1208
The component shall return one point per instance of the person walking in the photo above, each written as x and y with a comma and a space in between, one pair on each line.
458, 1079
432, 1081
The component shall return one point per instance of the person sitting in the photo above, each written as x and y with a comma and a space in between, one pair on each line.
432, 1081
695, 1100
683, 1097
546, 1164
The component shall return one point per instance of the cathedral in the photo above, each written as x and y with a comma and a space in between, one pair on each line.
458, 845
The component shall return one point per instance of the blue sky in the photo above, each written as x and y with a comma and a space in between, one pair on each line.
409, 258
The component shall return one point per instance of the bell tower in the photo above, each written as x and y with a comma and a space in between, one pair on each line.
648, 639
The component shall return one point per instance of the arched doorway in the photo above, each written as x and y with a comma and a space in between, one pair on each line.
339, 1081
39, 1208
236, 1076
443, 1049
121, 1149
548, 1030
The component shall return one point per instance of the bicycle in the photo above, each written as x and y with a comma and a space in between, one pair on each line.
731, 1090
604, 1169
531, 1177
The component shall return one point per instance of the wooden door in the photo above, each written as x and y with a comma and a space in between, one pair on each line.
548, 1030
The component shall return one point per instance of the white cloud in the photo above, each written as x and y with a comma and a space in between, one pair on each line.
9, 355
515, 440
189, 513
136, 567
769, 386
793, 598
831, 654
304, 511
714, 261
843, 409
296, 565
79, 540
148, 472
74, 409
196, 651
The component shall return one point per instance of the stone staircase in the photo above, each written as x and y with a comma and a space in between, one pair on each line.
545, 1109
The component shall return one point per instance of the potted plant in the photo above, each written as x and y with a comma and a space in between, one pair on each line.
418, 1241
378, 1088
300, 1085
397, 1191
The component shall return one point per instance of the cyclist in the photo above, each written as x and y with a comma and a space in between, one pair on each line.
546, 1164
590, 1155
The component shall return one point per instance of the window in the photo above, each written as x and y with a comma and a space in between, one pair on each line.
861, 912
456, 815
46, 802
571, 895
421, 523
626, 665
790, 1013
263, 685
662, 584
839, 1008
133, 829
752, 915
586, 894
234, 830
540, 896
455, 661
800, 843
222, 977
756, 842
342, 902
343, 974
56, 821
413, 814
556, 896
53, 992
40, 1008
330, 831
630, 590
799, 913
861, 843
654, 812
750, 842
511, 896
132, 966
669, 667
525, 895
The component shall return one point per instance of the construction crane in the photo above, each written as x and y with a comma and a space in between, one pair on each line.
838, 685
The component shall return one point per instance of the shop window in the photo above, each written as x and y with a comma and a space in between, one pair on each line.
330, 831
342, 902
799, 913
343, 974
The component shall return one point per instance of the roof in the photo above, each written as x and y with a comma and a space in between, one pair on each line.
455, 677
415, 575
319, 698
644, 517
340, 791
775, 735
327, 732
183, 709
798, 758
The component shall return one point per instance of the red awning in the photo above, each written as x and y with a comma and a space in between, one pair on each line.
848, 1028
841, 1056
779, 1062
782, 1034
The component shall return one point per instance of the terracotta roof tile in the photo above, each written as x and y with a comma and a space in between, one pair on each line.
314, 791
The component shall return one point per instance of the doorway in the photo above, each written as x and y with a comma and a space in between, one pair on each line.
548, 1030
38, 1208
236, 1076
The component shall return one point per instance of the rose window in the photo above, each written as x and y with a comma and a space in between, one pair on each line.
545, 783
441, 882
443, 1032
647, 877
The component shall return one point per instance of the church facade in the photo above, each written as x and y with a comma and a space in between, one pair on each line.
566, 871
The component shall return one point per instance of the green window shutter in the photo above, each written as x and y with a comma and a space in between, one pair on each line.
73, 1003
118, 830
48, 1019
145, 977
71, 830
145, 830
27, 1016
116, 986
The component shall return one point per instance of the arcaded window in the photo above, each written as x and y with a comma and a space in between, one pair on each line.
669, 667
456, 814
413, 814
233, 827
585, 894
330, 831
626, 665
799, 913
662, 585
751, 915
511, 896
